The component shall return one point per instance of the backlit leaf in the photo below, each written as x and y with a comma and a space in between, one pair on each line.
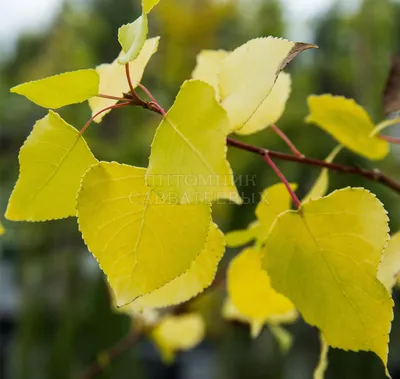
140, 242
132, 37
389, 268
52, 161
321, 185
113, 78
331, 249
188, 156
198, 277
59, 90
241, 237
250, 290
347, 122
274, 200
148, 5
208, 63
271, 109
248, 74
175, 333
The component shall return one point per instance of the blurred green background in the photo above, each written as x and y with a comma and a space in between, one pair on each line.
55, 314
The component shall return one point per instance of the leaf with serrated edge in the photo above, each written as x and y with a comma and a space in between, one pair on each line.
52, 161
321, 185
348, 123
178, 332
241, 237
186, 286
208, 63
140, 242
248, 74
113, 78
331, 249
250, 290
274, 200
271, 109
188, 154
60, 90
132, 37
389, 268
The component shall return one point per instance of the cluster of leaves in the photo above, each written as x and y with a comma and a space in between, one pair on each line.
151, 230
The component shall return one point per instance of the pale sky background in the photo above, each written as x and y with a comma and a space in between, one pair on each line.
19, 16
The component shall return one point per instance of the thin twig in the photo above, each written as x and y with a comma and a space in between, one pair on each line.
374, 175
111, 97
120, 105
287, 140
278, 172
138, 100
110, 354
390, 139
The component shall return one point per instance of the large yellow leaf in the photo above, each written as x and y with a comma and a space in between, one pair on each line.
113, 79
52, 161
176, 333
349, 123
208, 63
271, 109
63, 89
198, 277
324, 258
389, 268
140, 242
188, 155
250, 290
274, 200
321, 185
248, 74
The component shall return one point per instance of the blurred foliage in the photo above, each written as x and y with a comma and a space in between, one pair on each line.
56, 316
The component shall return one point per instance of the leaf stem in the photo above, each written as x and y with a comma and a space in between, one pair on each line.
390, 139
111, 97
287, 140
110, 354
120, 105
135, 96
282, 177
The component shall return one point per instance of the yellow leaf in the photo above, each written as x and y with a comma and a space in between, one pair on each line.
283, 337
230, 312
321, 185
198, 277
250, 289
319, 372
113, 77
331, 249
140, 242
271, 109
248, 74
2, 230
176, 333
348, 122
274, 200
188, 155
132, 37
208, 63
237, 238
148, 5
52, 161
389, 268
59, 90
